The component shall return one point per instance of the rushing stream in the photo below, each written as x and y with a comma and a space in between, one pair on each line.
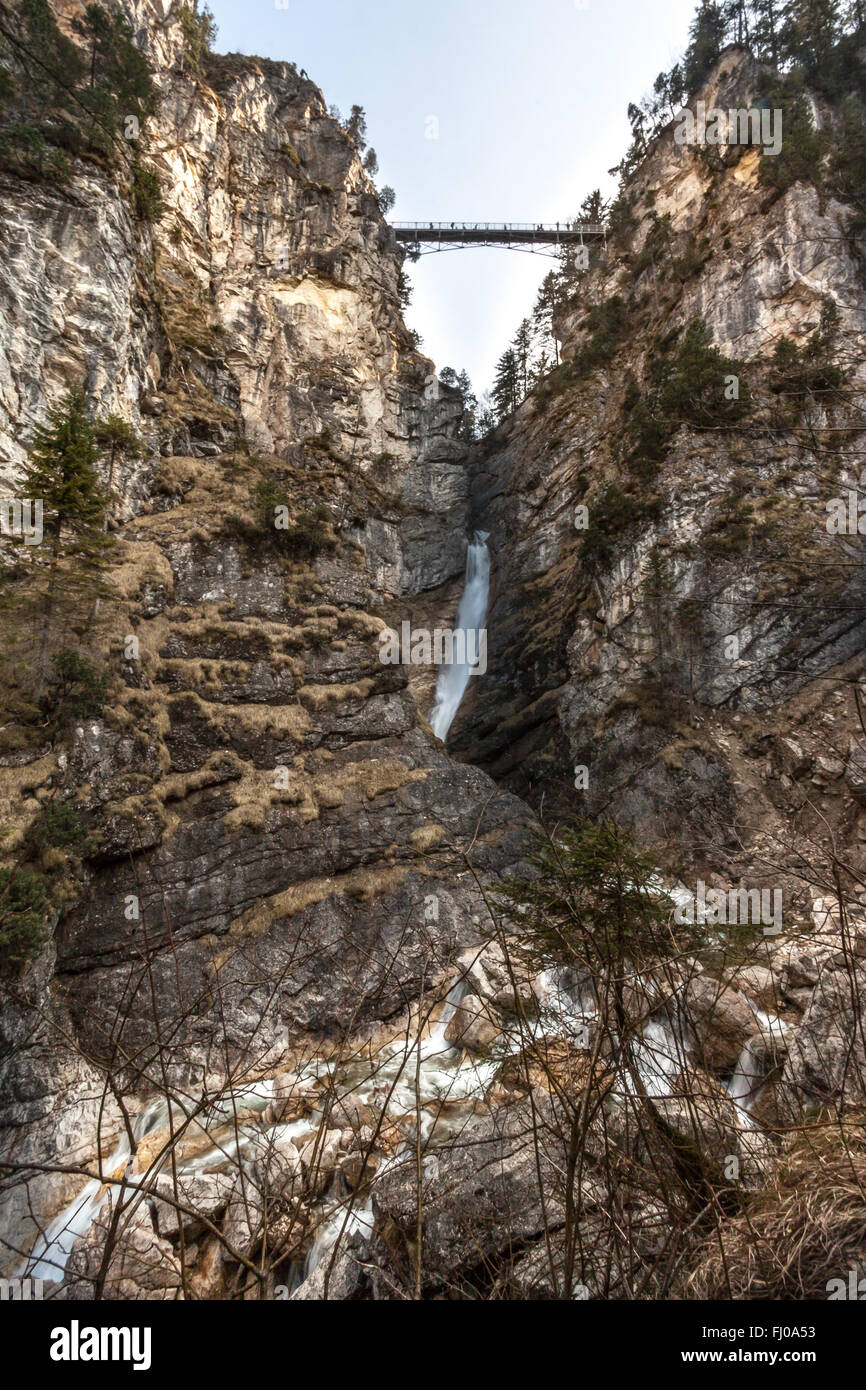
471, 617
406, 1071
748, 1079
403, 1074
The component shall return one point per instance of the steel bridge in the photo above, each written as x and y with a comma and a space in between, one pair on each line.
543, 237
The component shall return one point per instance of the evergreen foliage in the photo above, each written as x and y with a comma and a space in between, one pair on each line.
81, 93
24, 906
61, 99
61, 471
199, 33
591, 902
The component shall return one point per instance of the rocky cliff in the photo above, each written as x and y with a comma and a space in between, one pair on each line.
261, 784
269, 974
665, 615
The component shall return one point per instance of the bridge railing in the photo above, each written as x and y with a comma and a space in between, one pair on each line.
588, 228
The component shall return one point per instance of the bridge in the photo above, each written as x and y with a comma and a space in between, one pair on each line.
544, 237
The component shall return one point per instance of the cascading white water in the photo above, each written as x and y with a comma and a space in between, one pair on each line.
744, 1086
660, 1056
444, 1074
748, 1079
471, 617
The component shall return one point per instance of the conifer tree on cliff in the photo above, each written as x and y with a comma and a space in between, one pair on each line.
738, 20
119, 441
810, 28
766, 19
470, 405
505, 385
522, 353
356, 127
543, 313
707, 38
62, 474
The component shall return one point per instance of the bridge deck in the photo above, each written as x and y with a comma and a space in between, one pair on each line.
492, 233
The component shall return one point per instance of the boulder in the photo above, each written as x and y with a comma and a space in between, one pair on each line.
319, 1154
141, 1265
244, 1221
288, 1100
553, 1063
499, 981
826, 1061
471, 1026
757, 982
358, 1167
722, 1021
795, 762
646, 994
202, 1195
797, 964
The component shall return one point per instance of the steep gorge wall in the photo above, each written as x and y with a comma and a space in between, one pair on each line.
264, 788
620, 660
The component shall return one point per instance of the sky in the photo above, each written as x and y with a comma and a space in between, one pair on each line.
527, 100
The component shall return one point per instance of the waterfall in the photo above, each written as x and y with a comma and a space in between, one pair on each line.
54, 1246
471, 617
745, 1084
660, 1056
748, 1079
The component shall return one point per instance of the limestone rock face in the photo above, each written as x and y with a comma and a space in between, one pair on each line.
278, 847
684, 643
471, 1197
826, 1053
278, 861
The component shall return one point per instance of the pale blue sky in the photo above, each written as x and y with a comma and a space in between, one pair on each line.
530, 97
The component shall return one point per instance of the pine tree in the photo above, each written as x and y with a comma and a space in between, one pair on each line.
848, 168
470, 405
594, 207
707, 38
356, 127
506, 385
766, 20
115, 63
546, 304
118, 440
61, 472
461, 382
523, 355
810, 30
60, 65
199, 32
738, 22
